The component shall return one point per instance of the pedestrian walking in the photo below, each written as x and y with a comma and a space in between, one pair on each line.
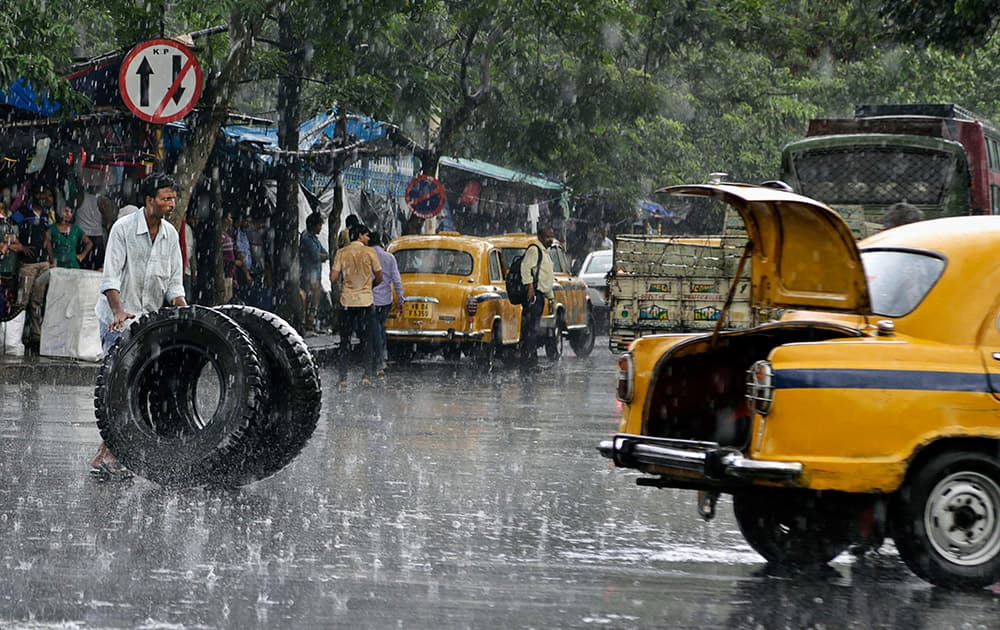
357, 269
384, 301
537, 275
142, 269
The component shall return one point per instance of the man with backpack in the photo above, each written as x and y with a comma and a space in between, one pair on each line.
537, 276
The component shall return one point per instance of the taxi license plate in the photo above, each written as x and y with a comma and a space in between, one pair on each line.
417, 310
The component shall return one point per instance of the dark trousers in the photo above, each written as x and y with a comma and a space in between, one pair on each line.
531, 329
95, 259
378, 335
357, 320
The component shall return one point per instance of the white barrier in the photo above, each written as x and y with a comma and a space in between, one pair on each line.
10, 336
69, 328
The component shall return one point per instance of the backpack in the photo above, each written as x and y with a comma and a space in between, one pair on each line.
517, 291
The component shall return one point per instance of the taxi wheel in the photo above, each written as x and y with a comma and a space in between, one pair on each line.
790, 531
554, 342
400, 352
946, 522
486, 354
582, 341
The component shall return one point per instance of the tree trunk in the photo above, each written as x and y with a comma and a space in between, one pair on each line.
288, 301
213, 109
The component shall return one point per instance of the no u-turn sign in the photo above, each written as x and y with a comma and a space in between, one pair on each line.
160, 81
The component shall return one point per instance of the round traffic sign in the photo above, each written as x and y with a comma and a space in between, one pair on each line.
160, 80
425, 196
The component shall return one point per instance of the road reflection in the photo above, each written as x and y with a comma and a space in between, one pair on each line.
443, 498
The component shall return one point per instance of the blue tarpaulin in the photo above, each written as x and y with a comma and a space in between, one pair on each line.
22, 96
313, 133
651, 207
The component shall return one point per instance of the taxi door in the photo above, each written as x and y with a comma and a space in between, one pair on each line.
569, 291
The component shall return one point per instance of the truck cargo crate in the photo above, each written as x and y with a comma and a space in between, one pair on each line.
676, 284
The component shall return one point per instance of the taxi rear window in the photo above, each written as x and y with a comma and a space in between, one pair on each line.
434, 260
898, 280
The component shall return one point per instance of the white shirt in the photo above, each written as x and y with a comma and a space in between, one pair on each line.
88, 216
546, 277
190, 244
144, 273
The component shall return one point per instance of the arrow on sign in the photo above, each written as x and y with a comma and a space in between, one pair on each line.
177, 61
144, 71
160, 81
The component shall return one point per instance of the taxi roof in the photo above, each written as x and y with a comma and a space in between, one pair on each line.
441, 241
516, 239
951, 236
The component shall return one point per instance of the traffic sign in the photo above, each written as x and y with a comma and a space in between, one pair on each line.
425, 196
160, 80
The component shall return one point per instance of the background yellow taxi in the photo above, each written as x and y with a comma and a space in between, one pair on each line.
455, 299
571, 314
871, 408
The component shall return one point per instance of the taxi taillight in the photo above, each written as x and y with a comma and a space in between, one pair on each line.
760, 387
626, 377
471, 305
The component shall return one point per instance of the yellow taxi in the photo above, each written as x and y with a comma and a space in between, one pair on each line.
455, 298
570, 314
870, 409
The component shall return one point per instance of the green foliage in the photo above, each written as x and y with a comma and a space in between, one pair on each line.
36, 48
955, 25
616, 96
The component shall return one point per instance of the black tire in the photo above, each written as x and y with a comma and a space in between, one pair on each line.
582, 341
452, 352
289, 418
554, 342
790, 529
487, 354
400, 352
146, 395
946, 520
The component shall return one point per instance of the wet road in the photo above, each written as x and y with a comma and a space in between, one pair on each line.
442, 500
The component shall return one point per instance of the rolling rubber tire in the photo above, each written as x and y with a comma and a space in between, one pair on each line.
146, 392
291, 414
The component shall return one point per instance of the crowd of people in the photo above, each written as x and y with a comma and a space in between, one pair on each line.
36, 235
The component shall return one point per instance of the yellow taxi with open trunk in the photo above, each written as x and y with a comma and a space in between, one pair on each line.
871, 408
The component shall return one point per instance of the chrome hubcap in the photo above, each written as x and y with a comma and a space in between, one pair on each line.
961, 518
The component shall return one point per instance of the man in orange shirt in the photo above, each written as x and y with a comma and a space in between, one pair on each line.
357, 268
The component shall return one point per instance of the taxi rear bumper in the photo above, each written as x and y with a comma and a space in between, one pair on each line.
443, 335
712, 461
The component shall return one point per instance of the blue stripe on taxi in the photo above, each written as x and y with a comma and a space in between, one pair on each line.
836, 378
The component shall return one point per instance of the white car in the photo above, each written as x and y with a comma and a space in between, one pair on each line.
594, 272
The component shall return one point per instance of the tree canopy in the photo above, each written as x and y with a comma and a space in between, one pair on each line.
619, 97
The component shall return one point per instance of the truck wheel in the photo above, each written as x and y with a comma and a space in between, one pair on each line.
582, 341
288, 420
946, 521
146, 398
791, 531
